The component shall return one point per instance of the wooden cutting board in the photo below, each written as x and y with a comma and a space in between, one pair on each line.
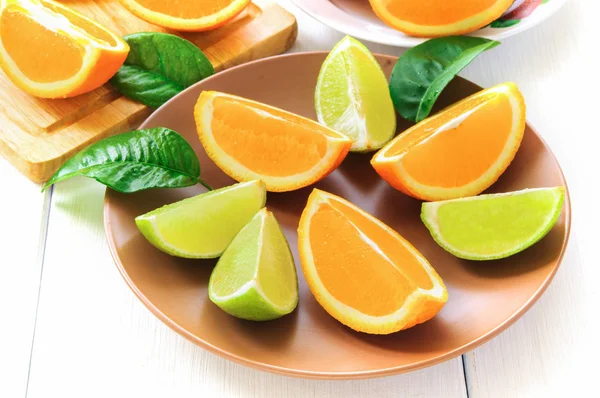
38, 135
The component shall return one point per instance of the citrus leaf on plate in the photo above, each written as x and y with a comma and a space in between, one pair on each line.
504, 23
130, 162
422, 72
159, 66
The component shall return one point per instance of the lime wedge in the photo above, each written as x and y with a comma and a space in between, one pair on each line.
352, 96
204, 225
256, 279
489, 227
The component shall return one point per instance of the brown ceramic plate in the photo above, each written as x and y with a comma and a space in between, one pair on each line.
484, 298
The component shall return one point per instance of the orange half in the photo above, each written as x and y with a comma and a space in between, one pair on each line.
459, 152
186, 15
362, 272
434, 18
51, 51
253, 141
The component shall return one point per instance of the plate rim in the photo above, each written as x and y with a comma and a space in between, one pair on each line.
409, 41
325, 375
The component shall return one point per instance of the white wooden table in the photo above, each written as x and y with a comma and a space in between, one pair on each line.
71, 328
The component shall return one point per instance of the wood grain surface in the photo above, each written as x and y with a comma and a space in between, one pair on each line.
38, 135
94, 339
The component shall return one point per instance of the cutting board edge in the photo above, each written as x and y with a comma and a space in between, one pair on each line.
39, 159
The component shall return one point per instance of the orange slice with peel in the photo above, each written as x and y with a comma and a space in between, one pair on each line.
459, 152
187, 15
434, 18
362, 272
253, 141
51, 51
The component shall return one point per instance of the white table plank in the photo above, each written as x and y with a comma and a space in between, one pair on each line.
543, 355
94, 338
23, 217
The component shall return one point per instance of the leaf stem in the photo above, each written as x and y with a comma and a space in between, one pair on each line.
205, 185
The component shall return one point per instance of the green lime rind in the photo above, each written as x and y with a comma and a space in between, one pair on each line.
255, 278
491, 227
251, 305
204, 225
352, 96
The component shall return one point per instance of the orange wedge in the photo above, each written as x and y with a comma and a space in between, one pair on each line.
362, 272
434, 18
253, 141
186, 15
458, 152
51, 51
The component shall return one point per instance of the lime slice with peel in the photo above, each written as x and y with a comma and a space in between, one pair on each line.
489, 227
352, 96
204, 225
256, 279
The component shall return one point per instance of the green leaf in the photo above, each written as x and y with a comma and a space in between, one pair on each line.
130, 162
159, 66
504, 23
423, 71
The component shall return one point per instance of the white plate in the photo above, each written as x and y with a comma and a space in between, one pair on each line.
357, 19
